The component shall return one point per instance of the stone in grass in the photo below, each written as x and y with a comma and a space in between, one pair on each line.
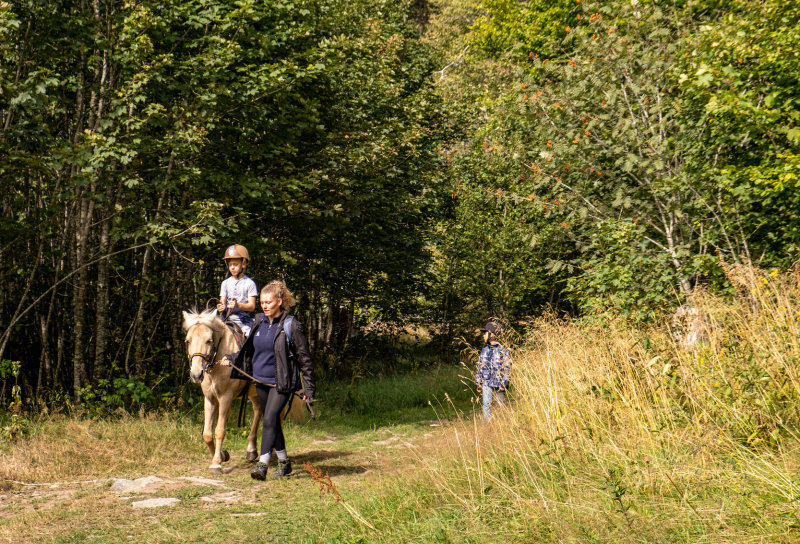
227, 497
122, 485
203, 481
155, 503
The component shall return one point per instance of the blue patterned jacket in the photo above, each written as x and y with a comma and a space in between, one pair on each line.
494, 366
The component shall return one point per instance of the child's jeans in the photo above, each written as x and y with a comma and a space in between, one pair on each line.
487, 399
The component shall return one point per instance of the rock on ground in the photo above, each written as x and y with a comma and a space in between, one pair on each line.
154, 503
139, 485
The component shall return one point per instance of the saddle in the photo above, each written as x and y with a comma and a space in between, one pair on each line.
237, 333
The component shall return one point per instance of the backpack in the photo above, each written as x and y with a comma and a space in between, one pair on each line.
287, 328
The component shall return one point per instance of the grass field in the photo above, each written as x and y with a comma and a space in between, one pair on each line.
624, 434
615, 434
58, 482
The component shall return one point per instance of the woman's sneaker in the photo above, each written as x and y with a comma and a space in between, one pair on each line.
284, 469
259, 472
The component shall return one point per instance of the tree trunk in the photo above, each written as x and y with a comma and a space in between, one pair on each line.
46, 377
44, 357
138, 332
59, 359
102, 296
313, 325
144, 285
79, 291
177, 357
329, 315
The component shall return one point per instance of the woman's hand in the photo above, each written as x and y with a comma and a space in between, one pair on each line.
225, 362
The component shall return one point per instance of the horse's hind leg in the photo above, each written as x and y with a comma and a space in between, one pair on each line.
252, 438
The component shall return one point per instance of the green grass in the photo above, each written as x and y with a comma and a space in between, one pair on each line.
405, 398
361, 409
360, 439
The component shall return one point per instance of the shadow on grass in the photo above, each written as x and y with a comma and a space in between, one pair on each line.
315, 456
337, 470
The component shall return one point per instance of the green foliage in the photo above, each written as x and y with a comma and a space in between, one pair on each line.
581, 155
17, 425
144, 136
740, 77
496, 241
609, 143
492, 254
118, 393
617, 491
122, 392
508, 27
678, 119
619, 276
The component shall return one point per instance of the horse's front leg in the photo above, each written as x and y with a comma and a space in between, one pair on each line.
252, 438
220, 455
209, 411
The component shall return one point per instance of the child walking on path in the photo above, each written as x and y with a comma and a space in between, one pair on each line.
494, 369
237, 294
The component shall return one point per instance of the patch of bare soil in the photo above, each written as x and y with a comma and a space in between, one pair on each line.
42, 497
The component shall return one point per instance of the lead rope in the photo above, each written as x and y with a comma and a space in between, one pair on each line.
308, 404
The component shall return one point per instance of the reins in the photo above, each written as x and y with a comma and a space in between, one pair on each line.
226, 313
210, 363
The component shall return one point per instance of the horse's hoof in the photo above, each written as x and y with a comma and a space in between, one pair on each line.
251, 456
216, 469
225, 456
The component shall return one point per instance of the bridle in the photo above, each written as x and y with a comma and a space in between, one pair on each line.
208, 359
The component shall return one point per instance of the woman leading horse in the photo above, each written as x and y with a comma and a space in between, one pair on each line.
276, 354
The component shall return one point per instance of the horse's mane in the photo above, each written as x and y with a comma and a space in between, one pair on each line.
207, 317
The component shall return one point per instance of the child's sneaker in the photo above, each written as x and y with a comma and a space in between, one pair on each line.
284, 469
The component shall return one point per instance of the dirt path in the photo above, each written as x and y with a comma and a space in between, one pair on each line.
42, 510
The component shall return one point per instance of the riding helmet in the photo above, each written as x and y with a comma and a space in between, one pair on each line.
236, 251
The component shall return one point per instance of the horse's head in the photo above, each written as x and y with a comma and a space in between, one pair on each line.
203, 334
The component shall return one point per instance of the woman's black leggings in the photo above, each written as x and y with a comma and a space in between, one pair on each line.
271, 403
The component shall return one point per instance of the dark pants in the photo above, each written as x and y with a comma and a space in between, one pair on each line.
271, 403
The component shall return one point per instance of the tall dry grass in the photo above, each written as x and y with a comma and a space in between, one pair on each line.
64, 448
617, 433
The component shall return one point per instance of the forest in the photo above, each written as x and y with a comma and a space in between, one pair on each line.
425, 162
614, 185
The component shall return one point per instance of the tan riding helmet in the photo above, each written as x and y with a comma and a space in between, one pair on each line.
236, 251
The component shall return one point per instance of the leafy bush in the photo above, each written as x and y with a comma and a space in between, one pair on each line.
17, 424
130, 394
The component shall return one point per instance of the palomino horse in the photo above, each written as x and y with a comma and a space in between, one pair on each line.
208, 340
